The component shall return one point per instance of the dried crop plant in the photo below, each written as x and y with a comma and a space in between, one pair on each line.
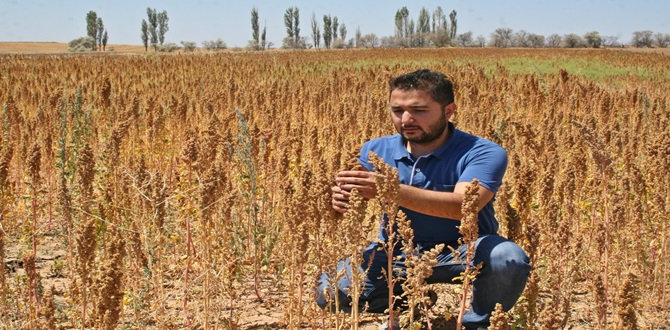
4, 205
418, 267
31, 304
388, 187
327, 241
3, 278
109, 281
34, 164
626, 299
48, 311
355, 228
187, 184
598, 151
499, 319
298, 220
85, 235
469, 230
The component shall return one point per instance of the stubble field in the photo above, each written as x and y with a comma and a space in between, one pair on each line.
192, 191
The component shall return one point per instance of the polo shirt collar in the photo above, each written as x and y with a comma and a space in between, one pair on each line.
401, 151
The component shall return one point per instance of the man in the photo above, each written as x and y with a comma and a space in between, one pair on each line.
436, 163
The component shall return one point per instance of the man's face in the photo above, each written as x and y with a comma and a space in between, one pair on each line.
418, 117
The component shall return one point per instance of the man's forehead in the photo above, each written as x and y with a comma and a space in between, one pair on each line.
412, 96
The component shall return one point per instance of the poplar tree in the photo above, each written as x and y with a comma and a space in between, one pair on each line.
145, 35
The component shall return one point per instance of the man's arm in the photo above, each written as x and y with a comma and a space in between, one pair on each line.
435, 203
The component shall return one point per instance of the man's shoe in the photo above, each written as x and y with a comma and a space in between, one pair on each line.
432, 299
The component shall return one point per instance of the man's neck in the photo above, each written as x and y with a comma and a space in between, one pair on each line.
422, 149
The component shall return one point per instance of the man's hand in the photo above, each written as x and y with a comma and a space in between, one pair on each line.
363, 181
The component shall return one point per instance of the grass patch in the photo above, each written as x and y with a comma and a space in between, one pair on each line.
590, 68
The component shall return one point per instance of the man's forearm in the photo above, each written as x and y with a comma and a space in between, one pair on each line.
435, 203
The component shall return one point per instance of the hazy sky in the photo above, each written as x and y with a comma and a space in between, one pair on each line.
201, 20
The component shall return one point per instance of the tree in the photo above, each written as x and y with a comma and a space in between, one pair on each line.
257, 41
255, 28
593, 39
162, 26
335, 25
642, 39
288, 22
423, 28
402, 26
292, 23
327, 31
439, 36
157, 27
438, 20
501, 38
662, 39
92, 24
454, 25
105, 38
573, 41
611, 41
145, 34
153, 26
296, 25
369, 41
264, 44
358, 37
480, 41
411, 33
316, 32
343, 31
100, 28
554, 41
536, 40
188, 46
520, 39
464, 39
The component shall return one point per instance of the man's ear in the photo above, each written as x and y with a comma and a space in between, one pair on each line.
449, 109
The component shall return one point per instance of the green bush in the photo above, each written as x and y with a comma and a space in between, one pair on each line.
83, 44
168, 47
217, 44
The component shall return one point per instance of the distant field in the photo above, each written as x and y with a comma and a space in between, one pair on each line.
56, 47
59, 47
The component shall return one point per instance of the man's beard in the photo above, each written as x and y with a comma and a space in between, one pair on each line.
434, 131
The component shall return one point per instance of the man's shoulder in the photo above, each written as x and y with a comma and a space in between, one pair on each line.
479, 143
386, 147
383, 142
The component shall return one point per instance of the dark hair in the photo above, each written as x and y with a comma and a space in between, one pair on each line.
436, 84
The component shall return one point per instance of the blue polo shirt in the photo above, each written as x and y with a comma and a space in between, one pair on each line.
463, 158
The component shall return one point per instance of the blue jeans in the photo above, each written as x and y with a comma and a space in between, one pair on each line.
501, 279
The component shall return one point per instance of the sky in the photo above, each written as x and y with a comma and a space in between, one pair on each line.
204, 20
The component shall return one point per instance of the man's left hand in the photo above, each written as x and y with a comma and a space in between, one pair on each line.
363, 181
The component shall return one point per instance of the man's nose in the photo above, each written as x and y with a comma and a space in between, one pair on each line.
407, 117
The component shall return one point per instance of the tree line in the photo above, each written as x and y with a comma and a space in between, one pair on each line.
430, 29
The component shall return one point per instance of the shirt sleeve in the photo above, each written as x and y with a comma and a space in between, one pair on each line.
364, 155
486, 163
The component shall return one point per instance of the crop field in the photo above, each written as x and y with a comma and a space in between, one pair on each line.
193, 191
